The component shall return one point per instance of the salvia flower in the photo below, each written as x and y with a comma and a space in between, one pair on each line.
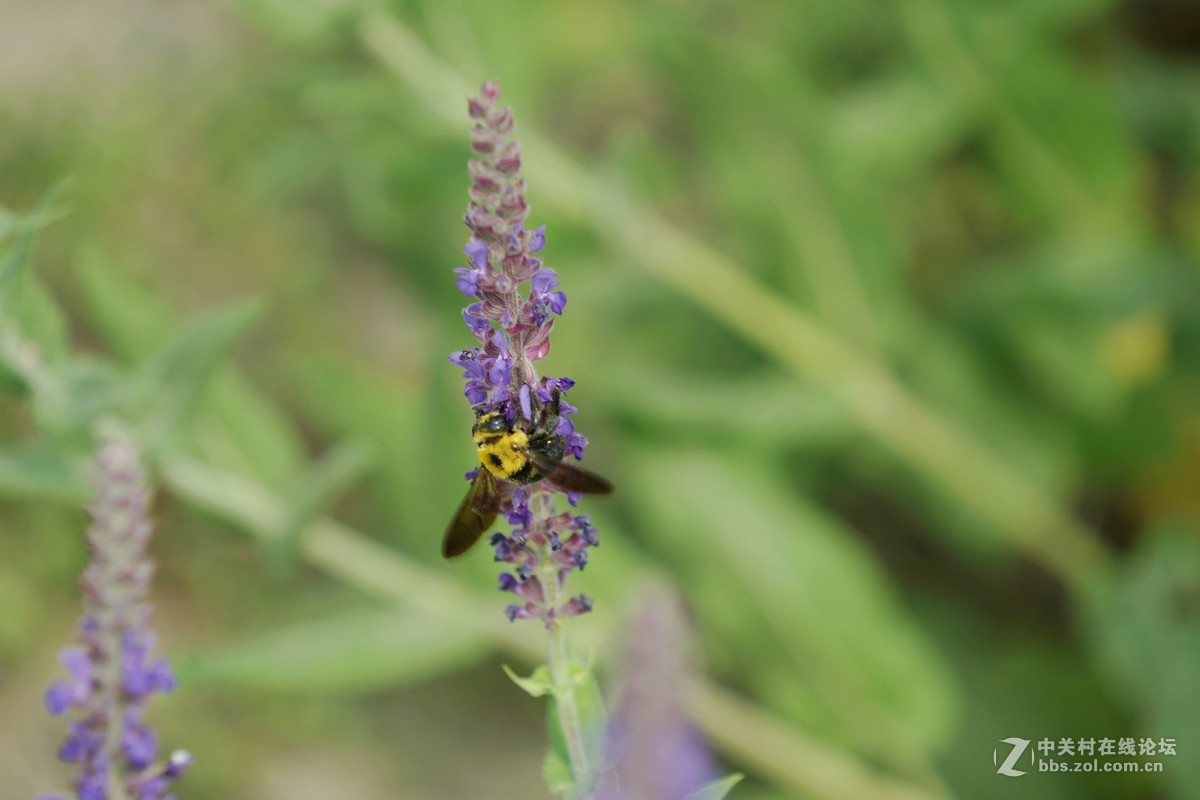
654, 751
515, 301
113, 670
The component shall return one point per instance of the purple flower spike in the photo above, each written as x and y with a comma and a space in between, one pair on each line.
516, 300
108, 739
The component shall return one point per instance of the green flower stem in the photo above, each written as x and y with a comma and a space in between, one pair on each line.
558, 663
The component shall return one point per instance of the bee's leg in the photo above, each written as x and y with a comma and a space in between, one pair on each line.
549, 414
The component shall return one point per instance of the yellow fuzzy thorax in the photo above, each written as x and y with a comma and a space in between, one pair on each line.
503, 454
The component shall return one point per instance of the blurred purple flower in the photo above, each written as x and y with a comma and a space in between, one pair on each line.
654, 751
112, 672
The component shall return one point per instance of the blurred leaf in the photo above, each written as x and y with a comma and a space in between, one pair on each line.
70, 397
1146, 629
536, 685
317, 489
348, 653
42, 322
593, 718
14, 260
557, 773
1035, 14
838, 627
409, 429
718, 789
180, 370
24, 304
557, 750
240, 429
12, 223
132, 320
937, 361
301, 22
43, 471
893, 128
1062, 108
1022, 679
782, 412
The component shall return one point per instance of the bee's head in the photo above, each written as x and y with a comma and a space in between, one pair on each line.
491, 422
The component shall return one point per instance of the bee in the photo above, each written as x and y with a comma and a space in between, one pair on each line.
520, 453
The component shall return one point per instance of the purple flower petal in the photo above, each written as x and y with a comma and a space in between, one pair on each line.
80, 744
526, 404
138, 742
538, 240
477, 251
543, 281
58, 698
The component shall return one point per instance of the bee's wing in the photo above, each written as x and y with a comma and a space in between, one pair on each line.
570, 477
474, 516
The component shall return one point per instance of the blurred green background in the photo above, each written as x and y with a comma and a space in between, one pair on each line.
886, 323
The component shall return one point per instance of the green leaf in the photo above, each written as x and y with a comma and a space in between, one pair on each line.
347, 653
70, 397
557, 773
238, 427
179, 371
131, 319
592, 715
558, 742
14, 262
589, 703
787, 412
316, 491
536, 685
895, 127
26, 309
40, 471
843, 654
412, 484
1146, 629
718, 789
